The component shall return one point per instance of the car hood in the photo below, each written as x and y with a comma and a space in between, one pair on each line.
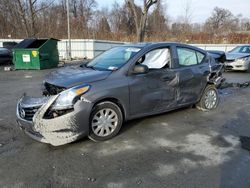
233, 56
75, 75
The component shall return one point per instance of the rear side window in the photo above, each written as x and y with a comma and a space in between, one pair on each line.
188, 57
200, 56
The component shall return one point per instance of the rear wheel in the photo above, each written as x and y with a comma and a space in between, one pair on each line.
209, 99
105, 121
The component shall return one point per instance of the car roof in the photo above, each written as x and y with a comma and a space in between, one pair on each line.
145, 44
1, 48
243, 45
160, 44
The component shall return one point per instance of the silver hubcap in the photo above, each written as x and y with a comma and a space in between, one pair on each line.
104, 122
210, 99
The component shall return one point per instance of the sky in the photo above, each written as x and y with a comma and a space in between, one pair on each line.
201, 9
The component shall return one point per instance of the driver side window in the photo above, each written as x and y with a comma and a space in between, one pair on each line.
156, 59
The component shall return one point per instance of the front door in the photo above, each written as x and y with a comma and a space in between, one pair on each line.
154, 91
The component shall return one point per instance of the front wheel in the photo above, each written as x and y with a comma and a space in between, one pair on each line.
105, 121
209, 99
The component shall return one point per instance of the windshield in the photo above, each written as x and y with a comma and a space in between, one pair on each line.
241, 49
114, 58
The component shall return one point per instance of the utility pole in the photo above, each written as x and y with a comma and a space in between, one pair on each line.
69, 39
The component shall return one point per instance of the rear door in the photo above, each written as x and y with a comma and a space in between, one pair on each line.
193, 70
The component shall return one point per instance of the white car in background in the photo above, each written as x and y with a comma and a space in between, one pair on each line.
238, 58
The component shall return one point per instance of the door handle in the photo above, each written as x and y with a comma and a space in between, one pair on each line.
167, 78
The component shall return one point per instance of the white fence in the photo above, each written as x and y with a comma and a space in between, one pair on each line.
80, 48
90, 48
221, 47
86, 48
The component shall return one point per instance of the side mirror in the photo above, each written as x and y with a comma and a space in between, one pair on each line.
140, 69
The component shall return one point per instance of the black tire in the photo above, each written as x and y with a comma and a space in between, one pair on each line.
105, 107
203, 103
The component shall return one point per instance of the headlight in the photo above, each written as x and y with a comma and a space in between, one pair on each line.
67, 98
245, 59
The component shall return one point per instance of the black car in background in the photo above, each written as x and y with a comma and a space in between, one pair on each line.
9, 45
5, 56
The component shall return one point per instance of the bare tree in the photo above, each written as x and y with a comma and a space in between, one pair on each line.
122, 21
129, 21
158, 22
222, 21
103, 25
188, 13
22, 12
86, 10
28, 11
83, 13
140, 16
244, 24
182, 27
32, 14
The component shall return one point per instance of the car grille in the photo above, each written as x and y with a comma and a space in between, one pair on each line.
229, 61
229, 67
52, 89
27, 113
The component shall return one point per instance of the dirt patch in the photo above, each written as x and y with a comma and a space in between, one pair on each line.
235, 85
220, 141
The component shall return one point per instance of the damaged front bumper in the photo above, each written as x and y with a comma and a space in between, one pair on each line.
67, 126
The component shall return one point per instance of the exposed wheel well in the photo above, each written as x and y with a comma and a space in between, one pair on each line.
208, 84
116, 101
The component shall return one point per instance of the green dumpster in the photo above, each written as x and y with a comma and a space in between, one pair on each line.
36, 54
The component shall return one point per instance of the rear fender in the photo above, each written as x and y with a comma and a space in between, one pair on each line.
219, 56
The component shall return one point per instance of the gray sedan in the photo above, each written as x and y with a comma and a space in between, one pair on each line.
238, 58
127, 82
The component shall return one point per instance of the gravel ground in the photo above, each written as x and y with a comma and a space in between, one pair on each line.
184, 148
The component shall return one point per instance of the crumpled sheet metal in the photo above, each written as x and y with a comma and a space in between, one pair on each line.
27, 101
57, 131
